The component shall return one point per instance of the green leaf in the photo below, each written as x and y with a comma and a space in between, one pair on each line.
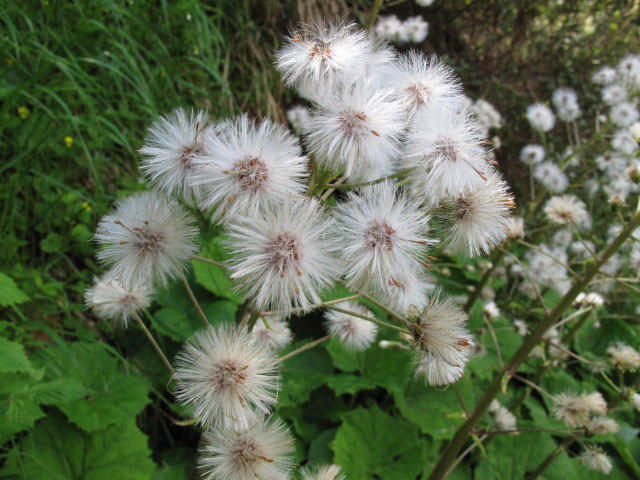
320, 448
437, 412
10, 294
373, 444
303, 373
374, 367
504, 462
111, 395
175, 324
52, 243
57, 450
214, 278
14, 358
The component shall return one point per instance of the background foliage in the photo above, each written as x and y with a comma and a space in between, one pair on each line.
79, 83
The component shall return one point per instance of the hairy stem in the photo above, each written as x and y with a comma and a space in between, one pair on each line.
552, 456
371, 319
194, 300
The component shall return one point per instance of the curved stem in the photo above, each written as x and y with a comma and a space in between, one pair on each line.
371, 319
208, 260
153, 342
495, 259
304, 347
194, 300
551, 457
459, 438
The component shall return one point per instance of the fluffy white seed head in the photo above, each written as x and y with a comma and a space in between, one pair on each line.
532, 154
487, 114
316, 58
571, 409
388, 27
624, 142
505, 420
414, 29
623, 356
446, 152
595, 402
226, 377
281, 259
565, 100
566, 210
515, 229
173, 144
602, 425
491, 311
604, 76
406, 290
421, 82
354, 332
298, 117
614, 94
261, 451
272, 331
356, 130
146, 239
624, 114
478, 218
628, 71
551, 176
255, 166
441, 340
540, 117
110, 300
379, 232
596, 459
323, 472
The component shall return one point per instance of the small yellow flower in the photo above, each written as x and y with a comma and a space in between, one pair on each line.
86, 206
23, 112
8, 61
68, 141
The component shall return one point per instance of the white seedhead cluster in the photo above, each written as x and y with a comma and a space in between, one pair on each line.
407, 157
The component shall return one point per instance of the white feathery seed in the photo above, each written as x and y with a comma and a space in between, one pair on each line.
446, 152
565, 100
379, 231
624, 114
596, 459
478, 218
414, 29
282, 259
540, 117
172, 145
623, 356
323, 472
354, 332
614, 94
604, 76
255, 166
551, 176
441, 340
421, 82
356, 130
110, 300
261, 451
566, 210
319, 57
146, 239
273, 331
226, 376
532, 154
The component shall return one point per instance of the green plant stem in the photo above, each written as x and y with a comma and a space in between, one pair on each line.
370, 182
459, 438
305, 347
551, 457
495, 259
153, 342
391, 313
208, 260
371, 319
374, 13
194, 300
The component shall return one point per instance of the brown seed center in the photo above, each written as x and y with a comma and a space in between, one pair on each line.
284, 253
380, 236
251, 173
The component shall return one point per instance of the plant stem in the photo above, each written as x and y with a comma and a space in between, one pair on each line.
373, 14
316, 305
153, 342
495, 259
552, 456
208, 260
382, 306
370, 182
371, 319
194, 300
305, 347
459, 438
